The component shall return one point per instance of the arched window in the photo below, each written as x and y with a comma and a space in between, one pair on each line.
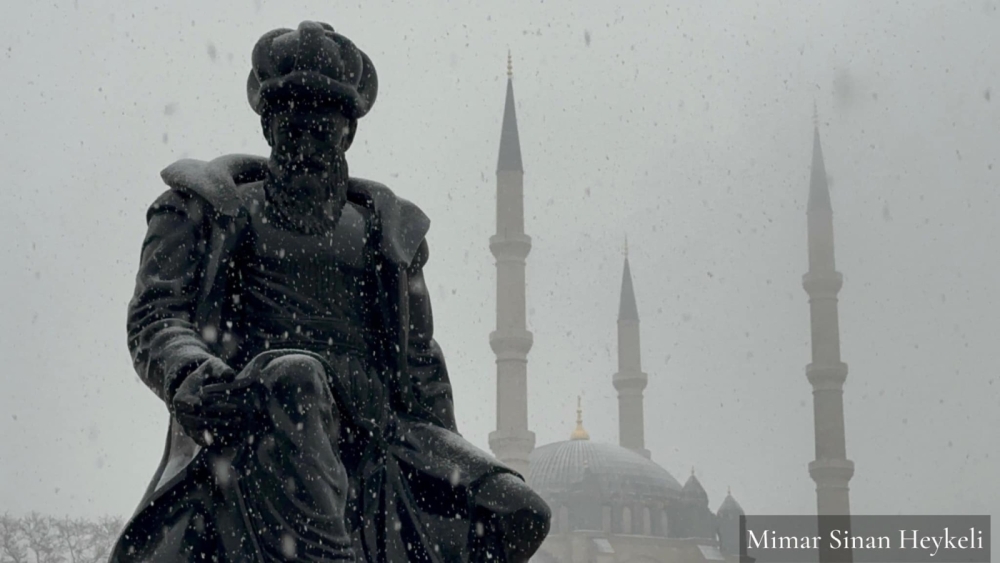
664, 524
563, 519
626, 520
606, 519
647, 522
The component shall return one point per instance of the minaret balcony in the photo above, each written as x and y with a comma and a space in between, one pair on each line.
511, 344
516, 445
630, 382
831, 472
823, 283
510, 246
827, 377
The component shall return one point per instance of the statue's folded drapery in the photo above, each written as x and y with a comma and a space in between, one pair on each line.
409, 481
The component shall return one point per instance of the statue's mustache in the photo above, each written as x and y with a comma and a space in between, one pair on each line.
305, 167
287, 167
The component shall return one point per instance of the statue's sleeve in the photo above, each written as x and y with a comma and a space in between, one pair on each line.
162, 337
426, 366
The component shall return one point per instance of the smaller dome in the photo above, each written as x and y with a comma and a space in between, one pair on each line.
730, 507
693, 490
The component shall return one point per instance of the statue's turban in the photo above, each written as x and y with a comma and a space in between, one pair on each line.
310, 68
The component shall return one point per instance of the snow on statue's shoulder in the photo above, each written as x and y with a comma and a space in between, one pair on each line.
216, 180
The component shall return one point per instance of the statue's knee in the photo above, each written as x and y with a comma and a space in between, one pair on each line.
535, 515
515, 515
507, 495
538, 506
297, 376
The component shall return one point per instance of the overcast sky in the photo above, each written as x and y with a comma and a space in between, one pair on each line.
685, 125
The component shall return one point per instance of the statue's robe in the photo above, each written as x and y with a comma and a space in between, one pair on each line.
412, 475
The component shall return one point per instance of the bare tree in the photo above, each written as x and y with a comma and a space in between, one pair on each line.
73, 535
36, 538
41, 537
104, 533
13, 546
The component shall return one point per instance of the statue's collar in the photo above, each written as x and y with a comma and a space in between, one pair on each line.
402, 225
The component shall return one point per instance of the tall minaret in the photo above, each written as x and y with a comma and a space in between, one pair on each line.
630, 381
512, 441
831, 470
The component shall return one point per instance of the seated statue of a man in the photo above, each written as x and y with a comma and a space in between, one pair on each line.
281, 314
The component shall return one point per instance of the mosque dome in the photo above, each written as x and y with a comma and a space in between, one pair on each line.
556, 468
559, 467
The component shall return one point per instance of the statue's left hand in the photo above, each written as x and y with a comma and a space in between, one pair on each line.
213, 405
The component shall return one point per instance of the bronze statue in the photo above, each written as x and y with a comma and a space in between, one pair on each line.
281, 314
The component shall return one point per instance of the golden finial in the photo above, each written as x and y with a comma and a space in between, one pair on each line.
626, 247
579, 433
815, 114
729, 491
692, 471
510, 65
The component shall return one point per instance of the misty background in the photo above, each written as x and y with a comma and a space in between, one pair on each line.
686, 126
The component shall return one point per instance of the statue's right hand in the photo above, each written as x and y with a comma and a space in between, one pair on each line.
210, 405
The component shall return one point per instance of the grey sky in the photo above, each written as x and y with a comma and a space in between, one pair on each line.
686, 125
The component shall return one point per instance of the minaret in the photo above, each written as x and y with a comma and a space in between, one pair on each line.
511, 442
630, 381
831, 470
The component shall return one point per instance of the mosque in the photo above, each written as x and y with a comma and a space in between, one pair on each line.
611, 502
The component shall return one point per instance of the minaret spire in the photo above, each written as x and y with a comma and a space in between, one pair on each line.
819, 189
627, 309
510, 142
630, 381
511, 442
831, 469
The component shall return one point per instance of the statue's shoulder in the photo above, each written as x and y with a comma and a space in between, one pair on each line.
226, 184
402, 224
380, 197
221, 182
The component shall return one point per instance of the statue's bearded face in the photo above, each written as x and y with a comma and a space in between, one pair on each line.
308, 165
